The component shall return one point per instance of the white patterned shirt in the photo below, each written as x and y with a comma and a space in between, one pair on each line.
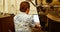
23, 22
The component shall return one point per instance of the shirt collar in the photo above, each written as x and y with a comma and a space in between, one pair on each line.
22, 13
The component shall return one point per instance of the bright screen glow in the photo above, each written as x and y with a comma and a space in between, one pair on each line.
36, 18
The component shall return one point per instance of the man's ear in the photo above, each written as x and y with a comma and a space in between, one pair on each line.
27, 10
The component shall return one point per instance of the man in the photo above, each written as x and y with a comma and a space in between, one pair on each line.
24, 22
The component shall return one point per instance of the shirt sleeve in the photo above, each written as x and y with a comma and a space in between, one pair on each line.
17, 24
32, 23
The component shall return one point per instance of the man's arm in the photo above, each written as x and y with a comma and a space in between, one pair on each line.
35, 21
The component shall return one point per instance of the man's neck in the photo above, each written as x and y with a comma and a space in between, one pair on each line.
26, 12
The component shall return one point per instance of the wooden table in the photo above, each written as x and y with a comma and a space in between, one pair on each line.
54, 23
6, 23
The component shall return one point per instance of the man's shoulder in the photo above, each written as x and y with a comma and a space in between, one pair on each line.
16, 16
23, 16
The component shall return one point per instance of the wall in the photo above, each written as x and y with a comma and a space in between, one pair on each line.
12, 6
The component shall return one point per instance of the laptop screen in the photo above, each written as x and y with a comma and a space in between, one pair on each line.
36, 18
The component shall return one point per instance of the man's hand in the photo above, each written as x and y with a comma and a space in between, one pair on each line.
37, 25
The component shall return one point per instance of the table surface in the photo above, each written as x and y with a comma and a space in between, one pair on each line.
2, 16
53, 17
